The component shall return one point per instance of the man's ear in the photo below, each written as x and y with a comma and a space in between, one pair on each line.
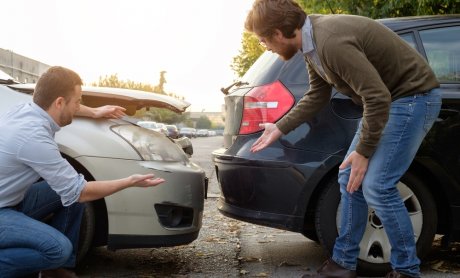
278, 34
59, 102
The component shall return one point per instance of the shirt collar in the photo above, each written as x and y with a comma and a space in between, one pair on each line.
54, 126
307, 38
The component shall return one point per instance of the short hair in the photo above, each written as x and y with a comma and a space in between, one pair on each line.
268, 15
55, 82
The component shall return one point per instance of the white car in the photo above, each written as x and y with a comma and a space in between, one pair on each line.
166, 215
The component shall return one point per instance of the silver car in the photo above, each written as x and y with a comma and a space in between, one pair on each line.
167, 215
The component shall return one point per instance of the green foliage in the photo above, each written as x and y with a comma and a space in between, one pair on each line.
203, 122
251, 50
161, 115
395, 8
160, 87
188, 122
156, 114
113, 82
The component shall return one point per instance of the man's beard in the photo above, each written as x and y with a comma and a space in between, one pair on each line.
65, 120
288, 52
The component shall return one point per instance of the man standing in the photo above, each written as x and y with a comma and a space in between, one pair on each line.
396, 87
28, 152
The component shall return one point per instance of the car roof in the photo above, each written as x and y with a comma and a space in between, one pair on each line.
402, 23
132, 100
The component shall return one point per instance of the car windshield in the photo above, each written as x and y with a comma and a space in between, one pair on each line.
269, 67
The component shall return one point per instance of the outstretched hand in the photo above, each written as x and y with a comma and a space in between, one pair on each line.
270, 135
359, 165
145, 180
109, 111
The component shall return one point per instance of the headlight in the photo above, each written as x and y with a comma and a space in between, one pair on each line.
149, 144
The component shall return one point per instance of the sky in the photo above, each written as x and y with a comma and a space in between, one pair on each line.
193, 41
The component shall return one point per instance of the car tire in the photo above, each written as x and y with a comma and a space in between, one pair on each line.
87, 227
375, 260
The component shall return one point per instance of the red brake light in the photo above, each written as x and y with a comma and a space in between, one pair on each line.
265, 104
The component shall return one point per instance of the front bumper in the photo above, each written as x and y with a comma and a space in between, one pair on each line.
133, 213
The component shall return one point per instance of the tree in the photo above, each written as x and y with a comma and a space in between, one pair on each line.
113, 82
250, 49
384, 8
203, 122
160, 87
155, 114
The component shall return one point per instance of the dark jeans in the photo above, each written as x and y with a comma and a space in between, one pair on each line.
28, 245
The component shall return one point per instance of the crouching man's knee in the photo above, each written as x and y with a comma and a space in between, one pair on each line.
58, 251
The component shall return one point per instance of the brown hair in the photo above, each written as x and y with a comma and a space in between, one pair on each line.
268, 15
55, 82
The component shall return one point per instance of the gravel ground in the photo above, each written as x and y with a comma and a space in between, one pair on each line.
213, 254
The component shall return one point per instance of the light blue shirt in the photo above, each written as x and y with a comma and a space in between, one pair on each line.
309, 49
28, 151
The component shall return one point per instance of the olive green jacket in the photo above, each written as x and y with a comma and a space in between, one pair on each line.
366, 61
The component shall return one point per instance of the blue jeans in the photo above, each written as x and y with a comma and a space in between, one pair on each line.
28, 245
409, 121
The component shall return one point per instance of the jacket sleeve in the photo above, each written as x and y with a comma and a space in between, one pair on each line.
313, 100
349, 62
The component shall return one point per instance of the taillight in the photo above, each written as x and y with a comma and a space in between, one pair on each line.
265, 104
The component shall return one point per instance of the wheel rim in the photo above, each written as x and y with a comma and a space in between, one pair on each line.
375, 246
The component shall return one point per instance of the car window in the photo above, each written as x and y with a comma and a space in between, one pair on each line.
264, 70
442, 47
269, 68
409, 38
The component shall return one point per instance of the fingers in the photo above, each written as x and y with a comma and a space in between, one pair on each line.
154, 182
147, 180
257, 145
115, 112
268, 137
344, 164
355, 181
358, 170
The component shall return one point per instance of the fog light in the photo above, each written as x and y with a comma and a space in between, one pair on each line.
172, 216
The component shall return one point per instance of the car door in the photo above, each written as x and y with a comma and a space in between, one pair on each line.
440, 45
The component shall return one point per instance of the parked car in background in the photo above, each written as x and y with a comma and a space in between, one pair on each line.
184, 142
292, 184
163, 128
158, 127
202, 133
187, 132
108, 149
173, 132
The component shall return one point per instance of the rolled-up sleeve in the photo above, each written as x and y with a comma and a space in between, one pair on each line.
42, 154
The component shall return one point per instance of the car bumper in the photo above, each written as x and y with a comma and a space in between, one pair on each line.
146, 216
266, 191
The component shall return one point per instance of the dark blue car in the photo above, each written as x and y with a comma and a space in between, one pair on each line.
292, 184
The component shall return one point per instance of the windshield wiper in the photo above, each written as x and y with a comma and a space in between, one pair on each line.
237, 83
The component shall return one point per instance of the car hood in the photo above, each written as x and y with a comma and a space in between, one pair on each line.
132, 100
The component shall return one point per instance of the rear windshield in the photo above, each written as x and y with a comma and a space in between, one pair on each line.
270, 67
